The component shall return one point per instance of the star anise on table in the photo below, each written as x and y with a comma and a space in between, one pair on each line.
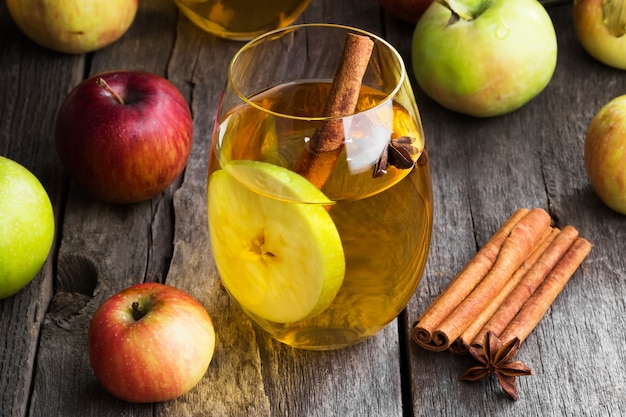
398, 153
496, 358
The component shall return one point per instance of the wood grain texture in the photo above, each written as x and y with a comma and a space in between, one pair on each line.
27, 95
483, 169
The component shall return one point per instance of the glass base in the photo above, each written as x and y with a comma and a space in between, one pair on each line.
322, 339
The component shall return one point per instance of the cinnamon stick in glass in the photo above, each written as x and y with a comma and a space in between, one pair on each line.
461, 286
538, 304
319, 158
528, 284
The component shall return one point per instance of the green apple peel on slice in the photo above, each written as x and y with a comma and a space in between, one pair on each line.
281, 258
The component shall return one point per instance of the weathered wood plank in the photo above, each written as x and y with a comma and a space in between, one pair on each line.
358, 381
233, 384
270, 379
33, 81
482, 171
104, 248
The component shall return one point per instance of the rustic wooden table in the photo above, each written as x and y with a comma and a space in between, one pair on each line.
483, 169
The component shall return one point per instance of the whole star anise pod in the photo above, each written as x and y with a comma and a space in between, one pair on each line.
398, 153
497, 358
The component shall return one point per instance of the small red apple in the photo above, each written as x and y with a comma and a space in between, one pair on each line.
605, 154
150, 342
601, 29
407, 10
124, 136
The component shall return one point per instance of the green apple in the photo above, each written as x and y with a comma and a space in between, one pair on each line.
281, 258
600, 27
484, 57
605, 154
73, 26
26, 226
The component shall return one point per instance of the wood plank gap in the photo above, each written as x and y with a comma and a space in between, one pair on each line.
406, 386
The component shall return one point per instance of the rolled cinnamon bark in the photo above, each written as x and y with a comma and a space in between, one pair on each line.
469, 292
528, 284
538, 304
319, 158
460, 345
524, 237
462, 285
528, 264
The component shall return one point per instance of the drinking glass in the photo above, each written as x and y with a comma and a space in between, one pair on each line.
241, 19
318, 264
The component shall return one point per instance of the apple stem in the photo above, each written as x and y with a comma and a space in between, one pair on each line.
100, 81
461, 9
138, 312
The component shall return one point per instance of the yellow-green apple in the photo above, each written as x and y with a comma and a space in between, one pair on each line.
605, 153
26, 226
124, 136
601, 28
484, 57
407, 10
150, 342
73, 26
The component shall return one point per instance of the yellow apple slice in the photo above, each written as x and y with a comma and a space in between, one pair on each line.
281, 258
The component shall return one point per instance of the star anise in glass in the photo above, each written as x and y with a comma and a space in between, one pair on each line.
398, 153
496, 358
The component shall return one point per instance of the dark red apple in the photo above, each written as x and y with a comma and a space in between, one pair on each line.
150, 342
124, 136
407, 10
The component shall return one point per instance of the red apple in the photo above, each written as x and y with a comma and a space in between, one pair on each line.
605, 153
124, 136
407, 10
601, 28
150, 342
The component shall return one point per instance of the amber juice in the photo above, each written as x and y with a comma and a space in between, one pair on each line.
241, 19
384, 223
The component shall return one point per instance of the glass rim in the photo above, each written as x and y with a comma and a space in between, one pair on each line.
292, 28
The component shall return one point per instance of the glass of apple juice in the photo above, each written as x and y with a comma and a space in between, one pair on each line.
241, 19
321, 248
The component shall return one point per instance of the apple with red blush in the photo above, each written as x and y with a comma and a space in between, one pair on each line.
124, 136
601, 29
484, 58
73, 26
150, 342
605, 153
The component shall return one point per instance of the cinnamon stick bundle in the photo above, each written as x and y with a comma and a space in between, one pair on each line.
532, 263
529, 283
460, 287
538, 304
520, 242
475, 328
319, 158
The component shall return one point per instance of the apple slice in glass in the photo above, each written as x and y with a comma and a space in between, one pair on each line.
282, 268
